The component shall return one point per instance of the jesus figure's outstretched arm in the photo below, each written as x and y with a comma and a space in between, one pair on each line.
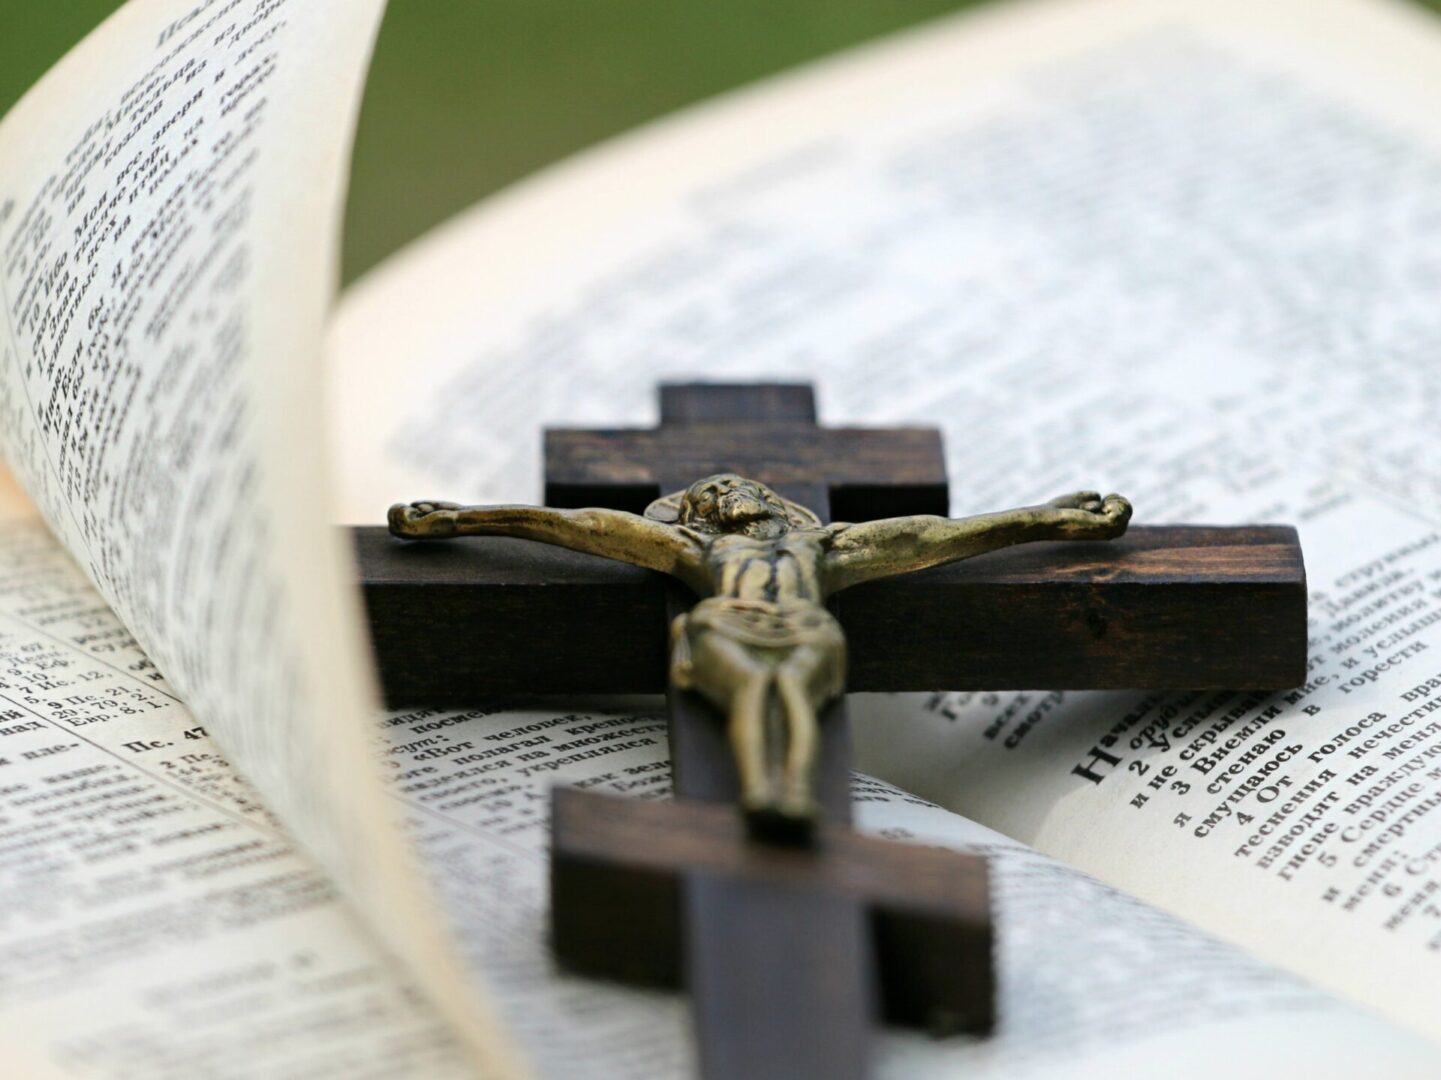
614, 534
876, 549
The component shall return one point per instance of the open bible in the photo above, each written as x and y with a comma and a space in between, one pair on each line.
1189, 251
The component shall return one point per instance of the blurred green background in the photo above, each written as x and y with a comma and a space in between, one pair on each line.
466, 96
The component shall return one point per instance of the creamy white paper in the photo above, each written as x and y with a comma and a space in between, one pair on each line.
1181, 251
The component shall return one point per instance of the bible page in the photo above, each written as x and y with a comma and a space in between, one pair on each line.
157, 919
1090, 982
169, 204
1185, 252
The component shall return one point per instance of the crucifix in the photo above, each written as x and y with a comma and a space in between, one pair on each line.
791, 929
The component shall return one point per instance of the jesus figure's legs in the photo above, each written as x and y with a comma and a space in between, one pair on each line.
801, 738
738, 683
810, 677
746, 727
769, 670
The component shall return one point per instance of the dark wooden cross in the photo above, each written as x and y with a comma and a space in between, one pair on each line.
790, 952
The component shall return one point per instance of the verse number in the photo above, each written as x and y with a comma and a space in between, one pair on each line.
1157, 782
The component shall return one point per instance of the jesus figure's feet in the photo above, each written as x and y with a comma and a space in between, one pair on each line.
787, 821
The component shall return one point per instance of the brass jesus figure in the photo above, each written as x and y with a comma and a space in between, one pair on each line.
760, 645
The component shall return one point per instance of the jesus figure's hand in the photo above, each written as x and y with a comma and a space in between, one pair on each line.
1094, 517
425, 519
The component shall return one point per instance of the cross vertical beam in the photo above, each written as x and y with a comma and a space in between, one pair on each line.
781, 988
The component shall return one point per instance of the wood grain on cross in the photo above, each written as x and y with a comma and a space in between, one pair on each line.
780, 946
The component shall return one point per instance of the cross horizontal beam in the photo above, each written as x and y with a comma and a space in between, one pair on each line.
617, 873
589, 468
722, 403
774, 453
765, 431
1162, 607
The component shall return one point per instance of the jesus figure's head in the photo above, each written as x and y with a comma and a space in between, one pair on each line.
727, 503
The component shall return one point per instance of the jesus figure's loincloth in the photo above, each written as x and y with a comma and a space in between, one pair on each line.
760, 637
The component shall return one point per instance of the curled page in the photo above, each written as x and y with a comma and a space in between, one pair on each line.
169, 204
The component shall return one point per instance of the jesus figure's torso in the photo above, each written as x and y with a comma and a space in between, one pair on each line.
782, 569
